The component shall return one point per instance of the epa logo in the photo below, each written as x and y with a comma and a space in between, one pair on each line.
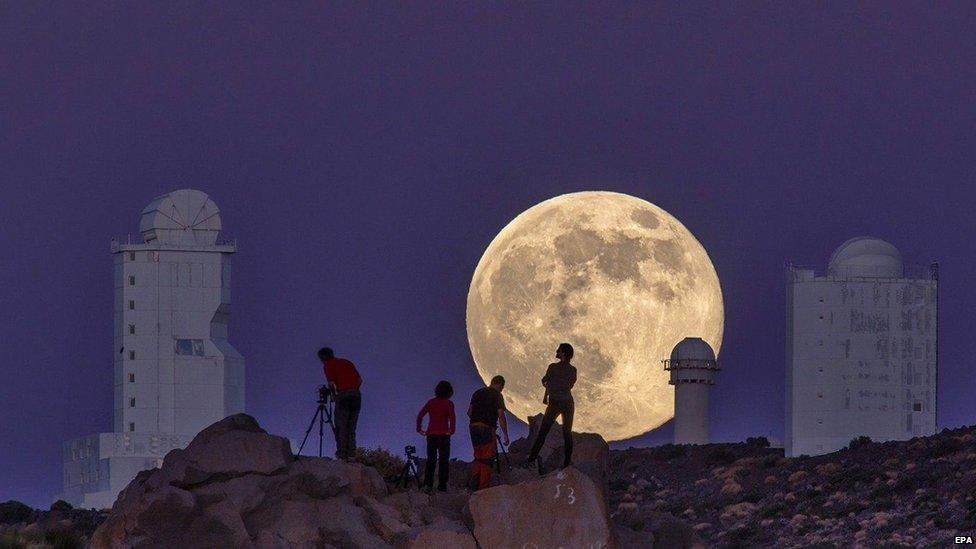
964, 539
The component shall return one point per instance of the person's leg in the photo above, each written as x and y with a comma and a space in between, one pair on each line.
355, 405
483, 442
432, 444
488, 450
568, 410
339, 421
540, 438
473, 477
443, 462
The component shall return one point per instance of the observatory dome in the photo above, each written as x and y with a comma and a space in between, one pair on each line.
185, 217
866, 256
692, 348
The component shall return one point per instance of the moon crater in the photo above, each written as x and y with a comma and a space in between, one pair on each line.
616, 276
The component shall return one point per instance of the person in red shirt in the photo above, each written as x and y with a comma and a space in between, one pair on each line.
344, 380
440, 427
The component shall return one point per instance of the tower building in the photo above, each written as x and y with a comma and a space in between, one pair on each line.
862, 349
175, 372
693, 368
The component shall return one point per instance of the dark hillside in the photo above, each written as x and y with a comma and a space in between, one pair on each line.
918, 492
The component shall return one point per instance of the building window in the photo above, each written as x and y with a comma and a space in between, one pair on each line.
132, 256
132, 403
132, 329
132, 280
132, 304
132, 355
917, 407
132, 378
189, 347
132, 426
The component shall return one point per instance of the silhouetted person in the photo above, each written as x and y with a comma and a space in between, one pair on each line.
344, 380
486, 411
440, 427
559, 380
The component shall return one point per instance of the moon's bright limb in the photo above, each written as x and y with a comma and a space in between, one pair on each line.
616, 276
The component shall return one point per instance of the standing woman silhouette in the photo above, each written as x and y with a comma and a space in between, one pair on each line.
559, 381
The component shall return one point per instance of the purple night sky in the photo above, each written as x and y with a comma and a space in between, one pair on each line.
364, 158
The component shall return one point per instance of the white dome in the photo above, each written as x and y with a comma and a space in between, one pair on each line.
866, 256
692, 348
183, 217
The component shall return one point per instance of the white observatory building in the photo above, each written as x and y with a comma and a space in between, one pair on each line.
175, 372
693, 368
862, 349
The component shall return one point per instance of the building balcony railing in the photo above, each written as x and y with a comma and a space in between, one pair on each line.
129, 240
910, 271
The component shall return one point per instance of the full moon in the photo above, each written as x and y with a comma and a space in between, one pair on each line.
620, 279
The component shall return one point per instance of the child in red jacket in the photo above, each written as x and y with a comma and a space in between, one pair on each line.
440, 427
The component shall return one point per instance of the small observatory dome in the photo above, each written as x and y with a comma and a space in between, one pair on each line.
866, 256
693, 367
692, 348
183, 217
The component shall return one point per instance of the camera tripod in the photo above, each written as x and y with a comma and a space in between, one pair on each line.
410, 469
324, 414
498, 462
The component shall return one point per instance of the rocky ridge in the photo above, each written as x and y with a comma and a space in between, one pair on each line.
920, 492
236, 485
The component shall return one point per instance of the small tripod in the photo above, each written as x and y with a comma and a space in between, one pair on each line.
324, 414
410, 469
498, 462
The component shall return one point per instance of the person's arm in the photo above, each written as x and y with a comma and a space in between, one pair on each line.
572, 378
503, 422
545, 378
420, 417
545, 383
328, 379
451, 420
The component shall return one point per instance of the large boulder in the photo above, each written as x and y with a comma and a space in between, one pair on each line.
562, 509
237, 486
234, 446
591, 453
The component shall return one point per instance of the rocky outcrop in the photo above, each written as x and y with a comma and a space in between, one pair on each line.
237, 486
591, 453
562, 509
60, 526
899, 493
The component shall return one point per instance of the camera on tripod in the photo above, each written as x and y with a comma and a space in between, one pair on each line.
410, 469
324, 393
323, 414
